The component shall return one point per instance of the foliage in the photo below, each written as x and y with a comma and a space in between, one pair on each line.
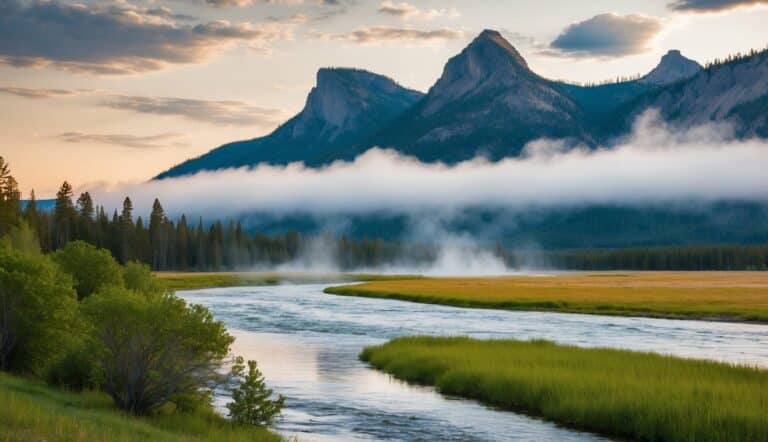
37, 310
624, 394
33, 412
10, 209
153, 348
75, 370
251, 400
91, 268
138, 277
723, 257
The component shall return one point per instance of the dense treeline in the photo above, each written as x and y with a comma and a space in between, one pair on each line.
78, 319
187, 245
722, 257
165, 244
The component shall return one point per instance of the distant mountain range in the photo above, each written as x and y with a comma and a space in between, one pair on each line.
489, 102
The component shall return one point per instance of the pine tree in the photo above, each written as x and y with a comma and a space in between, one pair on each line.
10, 198
158, 235
251, 400
64, 216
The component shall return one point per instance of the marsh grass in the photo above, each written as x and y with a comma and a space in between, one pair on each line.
31, 411
624, 394
201, 280
730, 296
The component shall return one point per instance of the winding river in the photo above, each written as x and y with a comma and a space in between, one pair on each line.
307, 344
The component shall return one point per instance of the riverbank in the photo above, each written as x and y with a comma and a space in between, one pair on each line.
625, 394
207, 280
32, 411
722, 296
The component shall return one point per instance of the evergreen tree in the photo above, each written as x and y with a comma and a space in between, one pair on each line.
64, 216
10, 198
251, 400
158, 234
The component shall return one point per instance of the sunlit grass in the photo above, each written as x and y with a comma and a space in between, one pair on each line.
30, 411
618, 393
200, 280
741, 296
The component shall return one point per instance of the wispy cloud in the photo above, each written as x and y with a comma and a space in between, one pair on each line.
235, 113
608, 35
114, 39
699, 6
407, 11
701, 164
43, 93
125, 140
379, 34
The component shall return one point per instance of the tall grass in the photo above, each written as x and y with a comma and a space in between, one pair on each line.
201, 280
624, 394
735, 296
30, 411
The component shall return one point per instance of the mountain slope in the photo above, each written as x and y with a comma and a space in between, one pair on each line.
487, 102
672, 68
734, 92
600, 102
344, 106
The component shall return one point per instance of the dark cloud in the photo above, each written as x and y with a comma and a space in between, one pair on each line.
218, 112
607, 35
712, 5
115, 39
377, 34
42, 93
124, 140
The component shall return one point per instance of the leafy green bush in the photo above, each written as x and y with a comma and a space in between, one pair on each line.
91, 268
251, 400
138, 277
76, 370
37, 311
153, 349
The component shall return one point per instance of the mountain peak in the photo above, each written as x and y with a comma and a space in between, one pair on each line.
672, 67
492, 37
489, 61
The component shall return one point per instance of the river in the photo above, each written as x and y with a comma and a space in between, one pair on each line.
307, 342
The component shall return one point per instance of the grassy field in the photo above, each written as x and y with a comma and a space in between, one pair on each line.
30, 411
200, 280
733, 296
624, 394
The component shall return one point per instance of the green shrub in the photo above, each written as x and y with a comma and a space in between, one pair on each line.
138, 277
153, 349
37, 311
91, 268
251, 400
76, 370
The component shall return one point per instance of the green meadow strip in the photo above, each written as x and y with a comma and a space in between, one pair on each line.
624, 394
31, 411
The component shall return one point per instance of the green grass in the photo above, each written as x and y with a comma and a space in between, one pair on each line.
727, 296
617, 393
31, 411
201, 280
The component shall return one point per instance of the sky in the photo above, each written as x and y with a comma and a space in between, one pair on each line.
111, 92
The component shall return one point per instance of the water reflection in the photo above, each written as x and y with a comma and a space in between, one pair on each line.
307, 345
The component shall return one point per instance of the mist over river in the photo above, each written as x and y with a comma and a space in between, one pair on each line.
307, 344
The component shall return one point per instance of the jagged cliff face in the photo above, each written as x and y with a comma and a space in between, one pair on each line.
345, 100
345, 106
672, 68
487, 102
735, 92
